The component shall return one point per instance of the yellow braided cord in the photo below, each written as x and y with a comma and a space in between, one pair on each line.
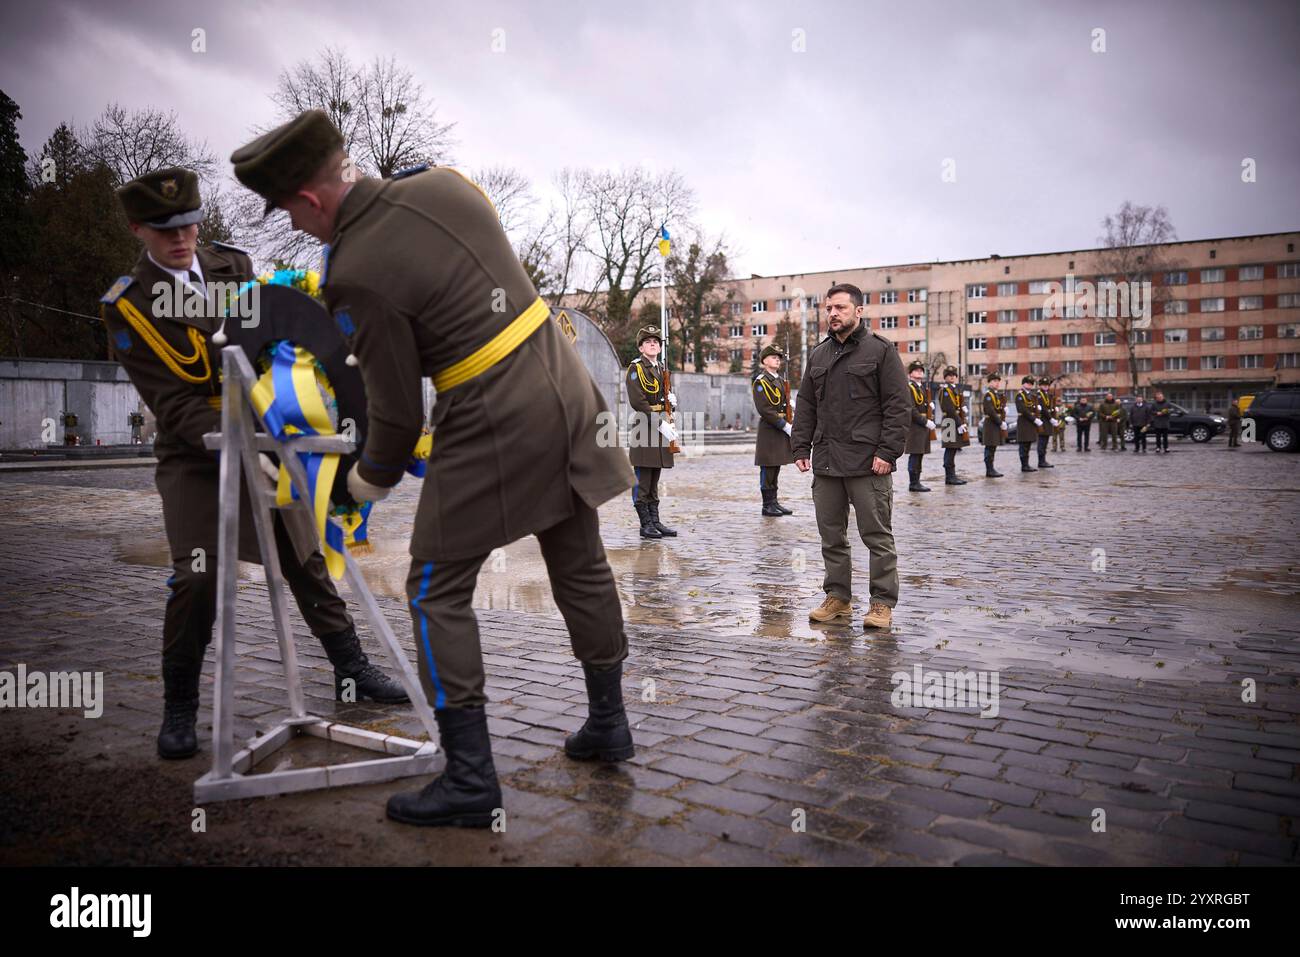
164, 350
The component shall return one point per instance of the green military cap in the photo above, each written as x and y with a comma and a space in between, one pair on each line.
276, 164
163, 199
649, 332
1027, 380
915, 366
951, 370
994, 376
1045, 380
770, 351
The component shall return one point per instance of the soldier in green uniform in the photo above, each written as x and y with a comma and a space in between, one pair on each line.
995, 418
1234, 424
1083, 414
649, 449
1121, 429
1047, 415
952, 424
159, 319
1028, 421
1108, 414
772, 449
1161, 412
424, 282
1060, 412
920, 427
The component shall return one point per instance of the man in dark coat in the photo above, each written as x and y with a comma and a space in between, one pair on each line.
424, 282
1139, 416
1161, 413
160, 318
1028, 420
1234, 424
772, 449
920, 427
649, 448
850, 426
995, 418
954, 430
1083, 413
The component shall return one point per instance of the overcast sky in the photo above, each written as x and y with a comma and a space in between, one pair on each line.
815, 160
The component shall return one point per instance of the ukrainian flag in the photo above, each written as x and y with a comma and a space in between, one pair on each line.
664, 244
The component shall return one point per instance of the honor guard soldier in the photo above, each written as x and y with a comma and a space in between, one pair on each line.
649, 450
1161, 412
1108, 416
165, 350
920, 429
1028, 422
995, 417
423, 281
772, 401
1047, 415
1083, 413
956, 433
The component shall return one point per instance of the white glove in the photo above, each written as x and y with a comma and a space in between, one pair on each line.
1038, 422
667, 431
363, 491
1055, 423
786, 428
929, 423
1069, 418
269, 468
672, 400
961, 429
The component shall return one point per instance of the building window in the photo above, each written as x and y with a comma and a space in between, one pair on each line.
784, 305
759, 329
1246, 303
1038, 368
1250, 362
916, 295
1250, 332
737, 332
1212, 305
1071, 339
735, 308
1175, 363
976, 317
916, 322
1288, 271
1289, 330
1288, 300
1139, 337
1072, 365
1104, 339
1175, 335
1007, 368
1178, 278
1212, 362
1006, 288
1212, 275
1143, 364
976, 343
889, 322
1212, 334
1035, 315
1038, 287
1006, 342
915, 345
737, 355
758, 305
1038, 342
889, 297
978, 291
1006, 315
974, 368
1104, 365
1176, 307
1288, 360
1248, 273
690, 358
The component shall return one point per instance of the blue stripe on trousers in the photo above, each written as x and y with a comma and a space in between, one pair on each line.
440, 697
637, 472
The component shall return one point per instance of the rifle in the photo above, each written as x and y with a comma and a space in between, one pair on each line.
668, 408
785, 384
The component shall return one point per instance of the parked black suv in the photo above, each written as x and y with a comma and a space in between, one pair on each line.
1197, 426
1277, 419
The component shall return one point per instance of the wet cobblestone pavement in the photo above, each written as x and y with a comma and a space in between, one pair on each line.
1121, 601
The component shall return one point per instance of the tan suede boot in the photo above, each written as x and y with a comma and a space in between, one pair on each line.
830, 609
878, 616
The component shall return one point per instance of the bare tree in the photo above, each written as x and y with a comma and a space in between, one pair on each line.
510, 192
132, 143
695, 276
398, 126
330, 83
1134, 251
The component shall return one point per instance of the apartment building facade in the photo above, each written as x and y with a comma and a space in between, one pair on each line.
1225, 322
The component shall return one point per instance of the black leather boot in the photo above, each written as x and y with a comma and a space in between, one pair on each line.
350, 661
605, 734
178, 738
1024, 460
663, 529
769, 504
950, 477
914, 482
467, 792
648, 529
989, 470
784, 510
